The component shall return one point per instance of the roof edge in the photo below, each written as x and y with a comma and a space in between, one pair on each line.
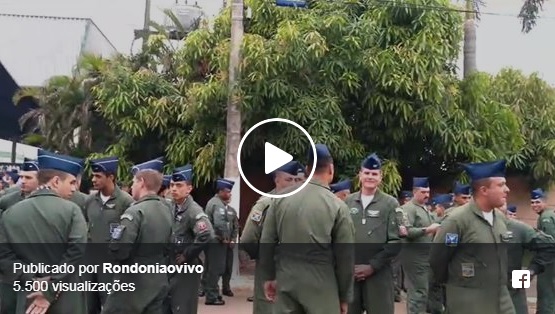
90, 23
46, 17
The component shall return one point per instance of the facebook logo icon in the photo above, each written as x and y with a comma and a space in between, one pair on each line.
520, 279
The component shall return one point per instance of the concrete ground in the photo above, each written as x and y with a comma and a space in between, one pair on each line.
242, 288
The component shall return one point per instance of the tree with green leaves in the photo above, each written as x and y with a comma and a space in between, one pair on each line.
64, 119
533, 101
358, 75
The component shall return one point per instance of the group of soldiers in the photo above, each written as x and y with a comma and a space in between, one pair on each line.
46, 219
456, 251
320, 250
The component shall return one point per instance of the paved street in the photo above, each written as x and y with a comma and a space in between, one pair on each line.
242, 289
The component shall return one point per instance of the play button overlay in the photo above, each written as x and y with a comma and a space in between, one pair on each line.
274, 158
273, 137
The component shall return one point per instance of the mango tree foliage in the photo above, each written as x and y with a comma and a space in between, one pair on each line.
360, 76
533, 101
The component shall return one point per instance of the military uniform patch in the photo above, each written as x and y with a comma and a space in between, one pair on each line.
222, 211
467, 270
354, 211
256, 216
451, 239
117, 232
126, 216
178, 240
373, 213
113, 226
201, 225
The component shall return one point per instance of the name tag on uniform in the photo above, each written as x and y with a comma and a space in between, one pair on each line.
373, 213
507, 236
110, 206
222, 211
113, 226
230, 213
467, 270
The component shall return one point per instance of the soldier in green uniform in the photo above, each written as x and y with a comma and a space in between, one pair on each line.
29, 183
461, 196
142, 237
546, 280
79, 197
524, 237
233, 218
284, 177
46, 228
316, 256
191, 233
398, 274
341, 189
470, 252
436, 293
421, 228
377, 241
221, 217
102, 212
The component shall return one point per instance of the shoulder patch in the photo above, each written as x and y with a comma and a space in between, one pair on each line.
201, 226
256, 216
200, 215
451, 239
117, 232
126, 216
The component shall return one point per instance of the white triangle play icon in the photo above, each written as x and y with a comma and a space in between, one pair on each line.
274, 158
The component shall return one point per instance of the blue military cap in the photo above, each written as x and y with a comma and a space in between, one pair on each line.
154, 164
291, 168
64, 163
442, 199
166, 181
537, 194
322, 151
222, 184
30, 165
300, 168
184, 173
341, 186
372, 162
483, 170
420, 182
108, 165
461, 189
511, 209
406, 194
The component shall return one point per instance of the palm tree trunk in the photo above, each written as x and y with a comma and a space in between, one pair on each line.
469, 48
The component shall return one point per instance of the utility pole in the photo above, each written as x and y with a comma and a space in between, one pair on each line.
146, 26
233, 121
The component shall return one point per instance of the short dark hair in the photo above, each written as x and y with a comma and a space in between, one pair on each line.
476, 185
322, 164
45, 175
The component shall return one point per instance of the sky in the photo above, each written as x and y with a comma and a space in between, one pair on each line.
500, 42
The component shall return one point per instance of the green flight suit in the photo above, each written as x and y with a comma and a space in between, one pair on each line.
436, 292
80, 199
44, 228
377, 243
142, 237
8, 297
524, 238
228, 270
250, 241
415, 256
470, 257
10, 190
313, 264
102, 218
191, 233
546, 280
216, 252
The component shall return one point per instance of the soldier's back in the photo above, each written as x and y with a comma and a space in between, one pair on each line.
45, 228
